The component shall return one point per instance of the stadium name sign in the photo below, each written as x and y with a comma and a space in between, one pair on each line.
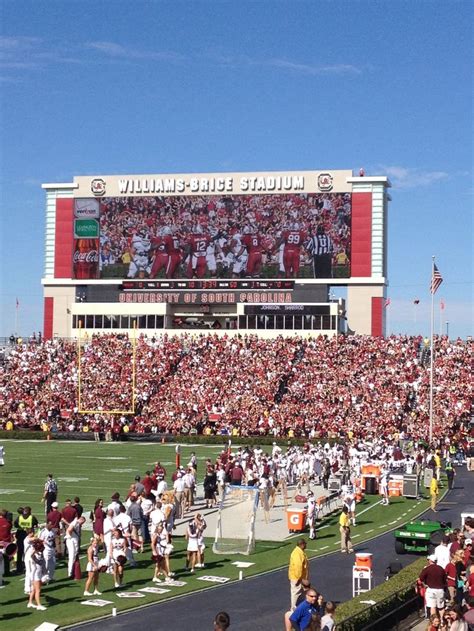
211, 185
88, 187
204, 298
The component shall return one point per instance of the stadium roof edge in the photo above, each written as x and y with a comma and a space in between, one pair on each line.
54, 185
371, 179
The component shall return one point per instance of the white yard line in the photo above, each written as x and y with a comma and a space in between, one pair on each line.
366, 509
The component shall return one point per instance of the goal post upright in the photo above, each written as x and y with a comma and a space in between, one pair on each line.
134, 359
79, 368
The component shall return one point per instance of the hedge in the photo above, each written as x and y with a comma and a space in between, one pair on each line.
184, 439
354, 615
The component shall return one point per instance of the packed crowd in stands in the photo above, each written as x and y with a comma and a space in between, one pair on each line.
244, 385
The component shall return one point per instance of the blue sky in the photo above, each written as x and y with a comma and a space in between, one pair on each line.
163, 87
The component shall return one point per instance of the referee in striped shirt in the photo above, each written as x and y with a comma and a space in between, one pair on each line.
320, 247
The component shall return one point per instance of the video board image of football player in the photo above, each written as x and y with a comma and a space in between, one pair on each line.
196, 248
173, 250
292, 239
160, 260
169, 223
236, 254
253, 242
140, 264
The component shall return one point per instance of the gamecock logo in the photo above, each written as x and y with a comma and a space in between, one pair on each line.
325, 182
98, 186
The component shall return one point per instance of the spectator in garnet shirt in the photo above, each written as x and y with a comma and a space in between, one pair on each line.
5, 537
434, 577
69, 513
236, 474
148, 483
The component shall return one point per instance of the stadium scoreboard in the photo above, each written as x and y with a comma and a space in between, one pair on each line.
152, 243
182, 285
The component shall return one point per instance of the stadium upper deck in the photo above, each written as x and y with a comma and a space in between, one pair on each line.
253, 252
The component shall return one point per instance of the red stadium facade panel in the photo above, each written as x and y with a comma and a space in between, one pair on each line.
63, 238
238, 252
48, 318
361, 235
377, 316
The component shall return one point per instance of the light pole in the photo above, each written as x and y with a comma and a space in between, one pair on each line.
447, 329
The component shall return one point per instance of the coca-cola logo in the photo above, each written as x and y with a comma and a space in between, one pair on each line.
86, 257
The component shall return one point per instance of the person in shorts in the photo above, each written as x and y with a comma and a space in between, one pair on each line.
434, 577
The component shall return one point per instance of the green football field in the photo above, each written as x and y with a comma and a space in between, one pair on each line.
92, 470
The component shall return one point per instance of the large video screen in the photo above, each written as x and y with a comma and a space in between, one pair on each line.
304, 236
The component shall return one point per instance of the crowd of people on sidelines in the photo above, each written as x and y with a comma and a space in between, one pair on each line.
355, 386
147, 512
447, 581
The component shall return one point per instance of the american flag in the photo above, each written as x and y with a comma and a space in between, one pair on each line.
436, 280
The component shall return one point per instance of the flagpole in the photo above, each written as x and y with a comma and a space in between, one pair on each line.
432, 350
16, 318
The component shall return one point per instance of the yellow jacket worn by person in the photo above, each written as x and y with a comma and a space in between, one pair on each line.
298, 569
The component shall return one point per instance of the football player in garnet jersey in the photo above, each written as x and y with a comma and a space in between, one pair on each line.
173, 250
292, 238
160, 261
197, 248
254, 244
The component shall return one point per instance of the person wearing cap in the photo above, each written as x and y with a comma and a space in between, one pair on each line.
434, 578
297, 571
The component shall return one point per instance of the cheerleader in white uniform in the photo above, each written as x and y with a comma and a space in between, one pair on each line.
201, 523
28, 551
118, 555
36, 570
161, 549
93, 567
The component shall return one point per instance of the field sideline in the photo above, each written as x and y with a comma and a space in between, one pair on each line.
92, 470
